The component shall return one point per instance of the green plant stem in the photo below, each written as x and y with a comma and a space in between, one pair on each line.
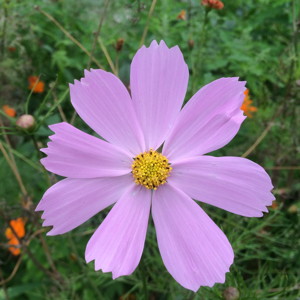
59, 107
6, 116
84, 268
144, 281
197, 63
13, 273
68, 35
54, 106
4, 28
147, 22
15, 170
24, 158
46, 98
107, 56
97, 34
30, 94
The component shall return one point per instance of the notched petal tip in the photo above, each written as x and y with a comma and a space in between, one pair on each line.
73, 85
76, 83
114, 274
44, 150
43, 160
88, 259
244, 83
87, 72
39, 207
164, 46
176, 49
53, 232
267, 204
57, 126
154, 44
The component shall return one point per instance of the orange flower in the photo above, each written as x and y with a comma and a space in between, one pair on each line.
215, 4
9, 110
18, 232
14, 250
36, 85
247, 105
182, 15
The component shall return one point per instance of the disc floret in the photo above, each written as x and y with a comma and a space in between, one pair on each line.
151, 169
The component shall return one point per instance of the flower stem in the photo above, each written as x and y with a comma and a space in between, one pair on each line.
144, 281
197, 64
148, 22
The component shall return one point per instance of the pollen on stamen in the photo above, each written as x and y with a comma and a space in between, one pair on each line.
150, 169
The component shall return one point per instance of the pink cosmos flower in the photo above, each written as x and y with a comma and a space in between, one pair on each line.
132, 169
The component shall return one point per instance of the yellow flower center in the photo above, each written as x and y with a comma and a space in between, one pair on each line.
151, 169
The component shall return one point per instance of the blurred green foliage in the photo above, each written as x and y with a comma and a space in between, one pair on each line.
255, 40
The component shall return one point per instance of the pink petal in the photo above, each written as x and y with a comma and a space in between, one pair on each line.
231, 183
73, 153
194, 249
118, 243
71, 202
103, 102
208, 121
158, 82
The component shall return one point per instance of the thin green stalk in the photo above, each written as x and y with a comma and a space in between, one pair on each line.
5, 127
3, 39
54, 106
197, 63
9, 133
69, 36
103, 15
30, 94
24, 158
107, 56
145, 286
6, 116
46, 98
148, 22
83, 268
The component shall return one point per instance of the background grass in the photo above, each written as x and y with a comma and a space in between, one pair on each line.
255, 40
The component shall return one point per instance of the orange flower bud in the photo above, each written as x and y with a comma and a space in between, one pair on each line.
9, 111
182, 15
36, 85
215, 4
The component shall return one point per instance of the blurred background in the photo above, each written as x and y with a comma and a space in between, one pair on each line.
44, 45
